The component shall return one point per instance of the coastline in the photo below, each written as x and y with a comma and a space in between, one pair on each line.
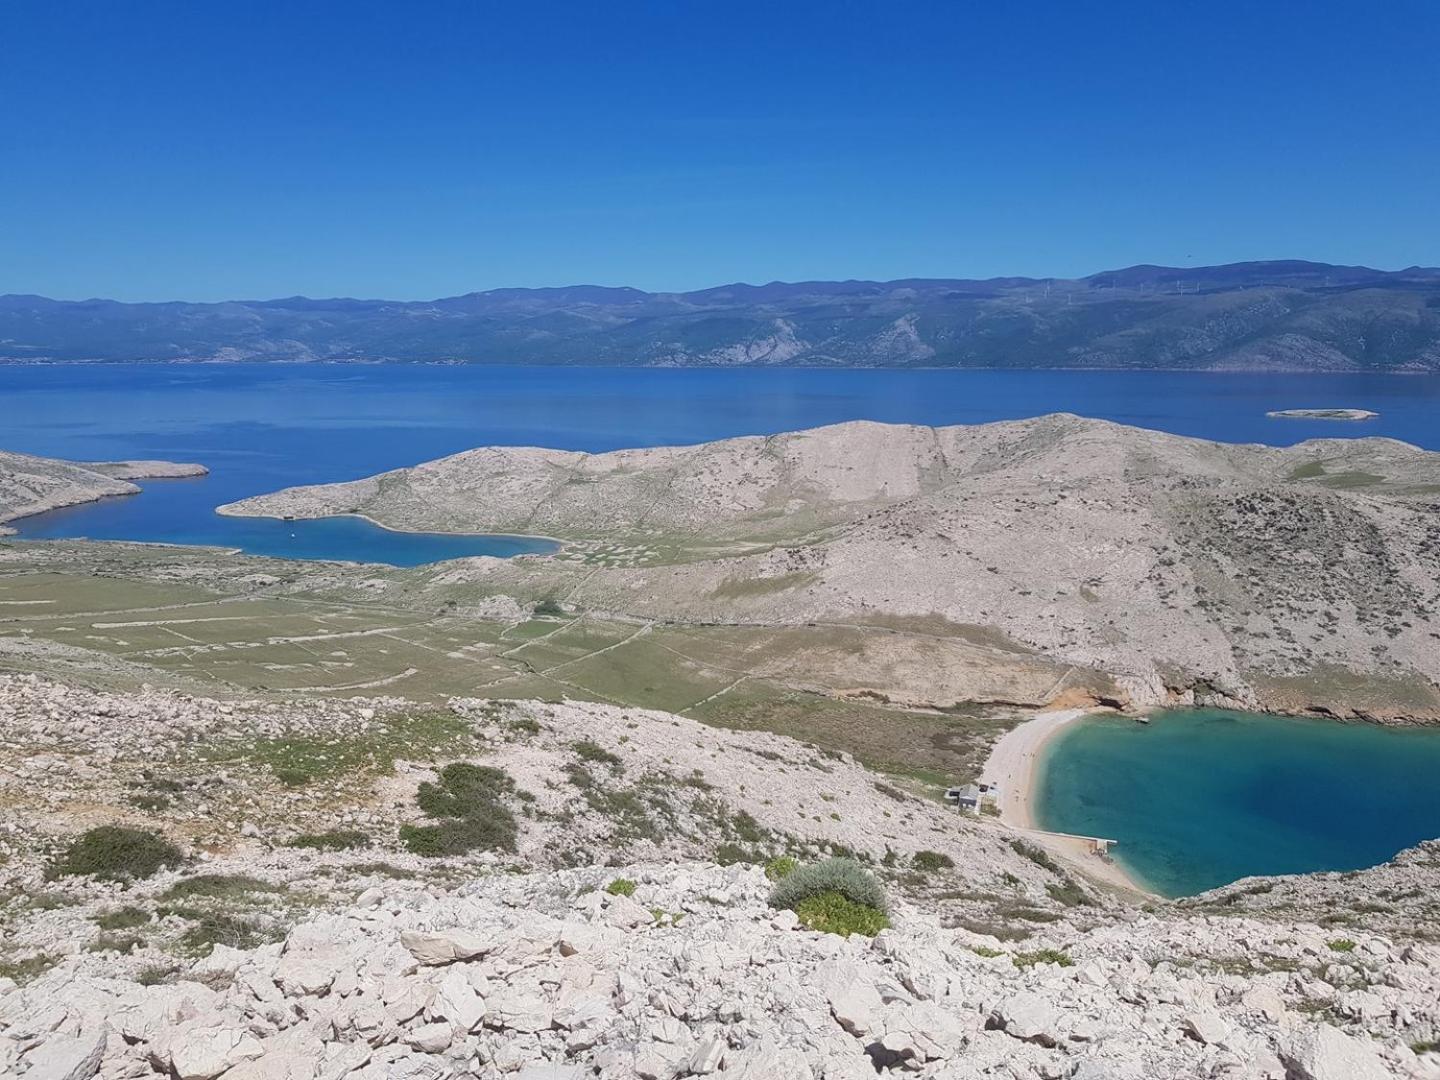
1014, 764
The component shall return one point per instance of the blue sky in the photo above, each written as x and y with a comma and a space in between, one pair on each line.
208, 150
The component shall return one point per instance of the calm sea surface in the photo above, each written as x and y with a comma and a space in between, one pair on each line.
1199, 798
265, 426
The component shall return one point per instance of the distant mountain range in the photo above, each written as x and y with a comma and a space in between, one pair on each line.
1271, 316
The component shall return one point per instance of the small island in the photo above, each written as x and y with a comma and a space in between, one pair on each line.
1323, 414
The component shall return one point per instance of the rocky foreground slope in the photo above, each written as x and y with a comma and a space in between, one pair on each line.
1294, 579
257, 958
32, 485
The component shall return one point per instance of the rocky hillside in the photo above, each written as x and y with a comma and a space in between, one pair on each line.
32, 485
1274, 316
1298, 579
631, 927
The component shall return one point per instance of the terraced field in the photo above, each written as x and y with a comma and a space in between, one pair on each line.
120, 632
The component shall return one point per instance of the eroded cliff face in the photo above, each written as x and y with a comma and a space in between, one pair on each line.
1302, 579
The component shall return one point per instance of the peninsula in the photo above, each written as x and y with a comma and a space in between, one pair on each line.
32, 485
1153, 569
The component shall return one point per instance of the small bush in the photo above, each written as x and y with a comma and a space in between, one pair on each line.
115, 853
332, 840
1069, 893
549, 606
1042, 956
1342, 945
985, 951
460, 835
782, 866
156, 974
1039, 856
730, 854
125, 918
22, 971
216, 928
621, 887
586, 750
835, 913
120, 943
928, 862
843, 876
468, 797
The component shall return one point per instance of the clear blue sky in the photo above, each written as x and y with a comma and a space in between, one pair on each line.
205, 150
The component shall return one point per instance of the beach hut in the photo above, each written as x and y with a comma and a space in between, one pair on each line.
965, 798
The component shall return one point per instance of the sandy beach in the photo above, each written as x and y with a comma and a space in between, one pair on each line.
1012, 766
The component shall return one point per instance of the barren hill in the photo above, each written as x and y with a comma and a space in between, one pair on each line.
1293, 578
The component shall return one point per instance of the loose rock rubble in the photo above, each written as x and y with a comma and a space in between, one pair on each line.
547, 975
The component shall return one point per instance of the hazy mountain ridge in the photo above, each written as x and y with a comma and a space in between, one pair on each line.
1281, 316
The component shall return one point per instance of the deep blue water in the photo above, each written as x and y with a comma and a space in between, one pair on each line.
1200, 798
260, 427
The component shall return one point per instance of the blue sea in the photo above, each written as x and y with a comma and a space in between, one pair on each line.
1200, 798
259, 427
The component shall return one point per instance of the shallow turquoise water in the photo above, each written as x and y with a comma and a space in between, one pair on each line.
1199, 798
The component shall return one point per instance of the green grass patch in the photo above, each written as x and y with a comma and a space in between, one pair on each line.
219, 887
621, 887
1342, 945
299, 760
835, 913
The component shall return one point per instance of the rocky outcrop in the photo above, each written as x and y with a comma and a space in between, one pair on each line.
547, 975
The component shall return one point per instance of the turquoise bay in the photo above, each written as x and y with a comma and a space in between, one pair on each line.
1199, 798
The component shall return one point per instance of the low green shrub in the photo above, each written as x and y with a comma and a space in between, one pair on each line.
730, 854
115, 853
586, 750
467, 799
1042, 956
844, 876
219, 887
549, 606
929, 862
1069, 893
1038, 855
835, 913
125, 918
1341, 945
332, 840
22, 971
621, 887
782, 866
